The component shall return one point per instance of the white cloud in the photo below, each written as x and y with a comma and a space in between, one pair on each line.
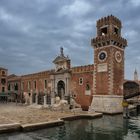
5, 16
131, 35
35, 28
14, 22
135, 2
83, 26
77, 8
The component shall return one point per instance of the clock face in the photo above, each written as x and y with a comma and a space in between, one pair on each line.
118, 56
102, 55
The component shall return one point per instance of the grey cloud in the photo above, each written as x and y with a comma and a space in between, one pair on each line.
32, 31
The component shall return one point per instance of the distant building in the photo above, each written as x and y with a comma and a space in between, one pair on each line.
136, 76
3, 80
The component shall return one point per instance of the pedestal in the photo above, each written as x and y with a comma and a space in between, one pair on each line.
52, 101
110, 104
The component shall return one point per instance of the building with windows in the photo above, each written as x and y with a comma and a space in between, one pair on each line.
3, 80
100, 85
63, 81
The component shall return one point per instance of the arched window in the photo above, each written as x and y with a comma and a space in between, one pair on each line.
87, 86
81, 81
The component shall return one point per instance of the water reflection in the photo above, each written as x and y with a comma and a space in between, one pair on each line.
108, 127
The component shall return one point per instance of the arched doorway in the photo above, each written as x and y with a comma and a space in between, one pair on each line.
61, 89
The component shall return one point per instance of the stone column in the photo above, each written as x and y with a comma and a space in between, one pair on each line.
52, 98
25, 96
68, 79
31, 97
36, 99
66, 87
45, 100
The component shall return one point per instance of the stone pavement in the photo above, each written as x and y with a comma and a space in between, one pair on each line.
19, 118
12, 113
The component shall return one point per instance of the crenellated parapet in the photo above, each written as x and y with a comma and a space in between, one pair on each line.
109, 39
109, 33
109, 20
36, 75
80, 69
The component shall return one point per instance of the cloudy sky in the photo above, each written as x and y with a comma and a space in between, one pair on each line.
32, 32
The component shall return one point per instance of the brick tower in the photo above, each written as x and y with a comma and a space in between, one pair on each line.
108, 65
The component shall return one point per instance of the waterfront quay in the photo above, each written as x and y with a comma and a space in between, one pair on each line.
19, 117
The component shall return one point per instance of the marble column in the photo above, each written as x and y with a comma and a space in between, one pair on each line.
36, 99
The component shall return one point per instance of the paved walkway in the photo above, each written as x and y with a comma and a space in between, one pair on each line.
12, 113
26, 118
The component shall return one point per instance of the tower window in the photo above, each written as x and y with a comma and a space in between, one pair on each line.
87, 87
80, 81
104, 31
116, 31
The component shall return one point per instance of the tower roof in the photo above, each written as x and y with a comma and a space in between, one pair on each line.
109, 33
109, 20
135, 71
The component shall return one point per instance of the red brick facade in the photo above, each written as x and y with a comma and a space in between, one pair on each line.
105, 77
82, 85
108, 57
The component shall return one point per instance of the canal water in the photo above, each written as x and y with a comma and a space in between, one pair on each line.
105, 128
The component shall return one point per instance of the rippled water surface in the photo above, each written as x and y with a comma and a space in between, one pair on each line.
105, 128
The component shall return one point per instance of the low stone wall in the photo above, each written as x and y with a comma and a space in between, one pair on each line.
108, 104
82, 116
36, 126
7, 128
17, 127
